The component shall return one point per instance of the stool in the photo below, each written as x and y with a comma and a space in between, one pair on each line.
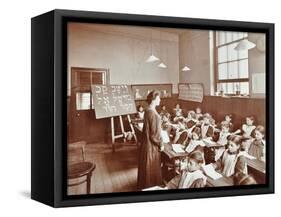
81, 169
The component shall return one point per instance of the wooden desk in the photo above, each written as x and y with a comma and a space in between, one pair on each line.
171, 160
221, 182
173, 157
168, 151
257, 169
258, 165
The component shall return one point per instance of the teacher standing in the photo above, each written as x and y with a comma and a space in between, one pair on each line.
149, 167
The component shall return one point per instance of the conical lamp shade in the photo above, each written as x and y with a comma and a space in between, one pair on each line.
245, 45
152, 58
162, 65
185, 68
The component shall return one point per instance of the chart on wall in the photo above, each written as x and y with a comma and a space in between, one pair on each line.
191, 92
113, 100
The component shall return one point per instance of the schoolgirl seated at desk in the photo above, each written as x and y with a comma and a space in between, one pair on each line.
257, 147
195, 143
166, 124
192, 176
191, 120
207, 129
177, 109
163, 110
232, 161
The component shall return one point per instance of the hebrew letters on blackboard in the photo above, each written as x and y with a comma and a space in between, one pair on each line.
191, 92
113, 100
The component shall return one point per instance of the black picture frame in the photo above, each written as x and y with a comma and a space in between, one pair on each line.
49, 107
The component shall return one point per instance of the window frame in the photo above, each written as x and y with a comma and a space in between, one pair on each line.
216, 65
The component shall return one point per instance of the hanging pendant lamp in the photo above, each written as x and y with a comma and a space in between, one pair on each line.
151, 58
245, 45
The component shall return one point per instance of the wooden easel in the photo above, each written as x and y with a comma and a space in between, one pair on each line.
113, 136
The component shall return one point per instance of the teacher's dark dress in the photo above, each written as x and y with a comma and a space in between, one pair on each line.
149, 167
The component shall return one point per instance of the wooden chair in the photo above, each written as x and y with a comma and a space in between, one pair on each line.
78, 168
76, 152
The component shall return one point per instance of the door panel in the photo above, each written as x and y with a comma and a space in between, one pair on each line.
82, 122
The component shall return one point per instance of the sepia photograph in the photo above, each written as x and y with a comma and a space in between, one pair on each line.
157, 108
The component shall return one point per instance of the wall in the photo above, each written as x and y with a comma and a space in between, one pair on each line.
257, 61
123, 50
196, 50
195, 53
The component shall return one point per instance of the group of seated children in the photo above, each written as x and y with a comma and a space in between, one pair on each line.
216, 144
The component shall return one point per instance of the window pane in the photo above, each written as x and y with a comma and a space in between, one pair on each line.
221, 37
223, 71
235, 36
233, 70
230, 88
243, 69
232, 54
222, 87
228, 37
83, 101
222, 54
240, 35
244, 88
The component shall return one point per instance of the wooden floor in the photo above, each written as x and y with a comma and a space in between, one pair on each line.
115, 172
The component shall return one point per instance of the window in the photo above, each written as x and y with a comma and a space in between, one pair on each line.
81, 82
231, 66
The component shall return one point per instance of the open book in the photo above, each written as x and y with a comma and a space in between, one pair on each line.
178, 148
209, 170
209, 142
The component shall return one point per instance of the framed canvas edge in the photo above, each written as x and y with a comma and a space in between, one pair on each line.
60, 93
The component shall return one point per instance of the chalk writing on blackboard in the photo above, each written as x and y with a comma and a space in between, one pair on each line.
113, 100
191, 92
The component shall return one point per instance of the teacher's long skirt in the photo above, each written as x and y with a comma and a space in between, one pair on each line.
149, 166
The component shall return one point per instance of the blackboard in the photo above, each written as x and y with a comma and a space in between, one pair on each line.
141, 91
191, 92
113, 100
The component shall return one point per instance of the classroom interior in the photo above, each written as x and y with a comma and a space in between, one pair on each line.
104, 54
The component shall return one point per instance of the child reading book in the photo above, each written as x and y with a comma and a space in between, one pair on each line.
257, 147
248, 127
193, 177
207, 130
181, 133
178, 110
191, 120
231, 161
198, 112
166, 124
195, 142
163, 110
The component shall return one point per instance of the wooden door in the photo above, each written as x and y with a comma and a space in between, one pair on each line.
81, 113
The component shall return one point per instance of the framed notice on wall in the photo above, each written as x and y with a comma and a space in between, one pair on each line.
191, 92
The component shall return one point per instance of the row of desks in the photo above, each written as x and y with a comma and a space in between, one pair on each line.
253, 165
